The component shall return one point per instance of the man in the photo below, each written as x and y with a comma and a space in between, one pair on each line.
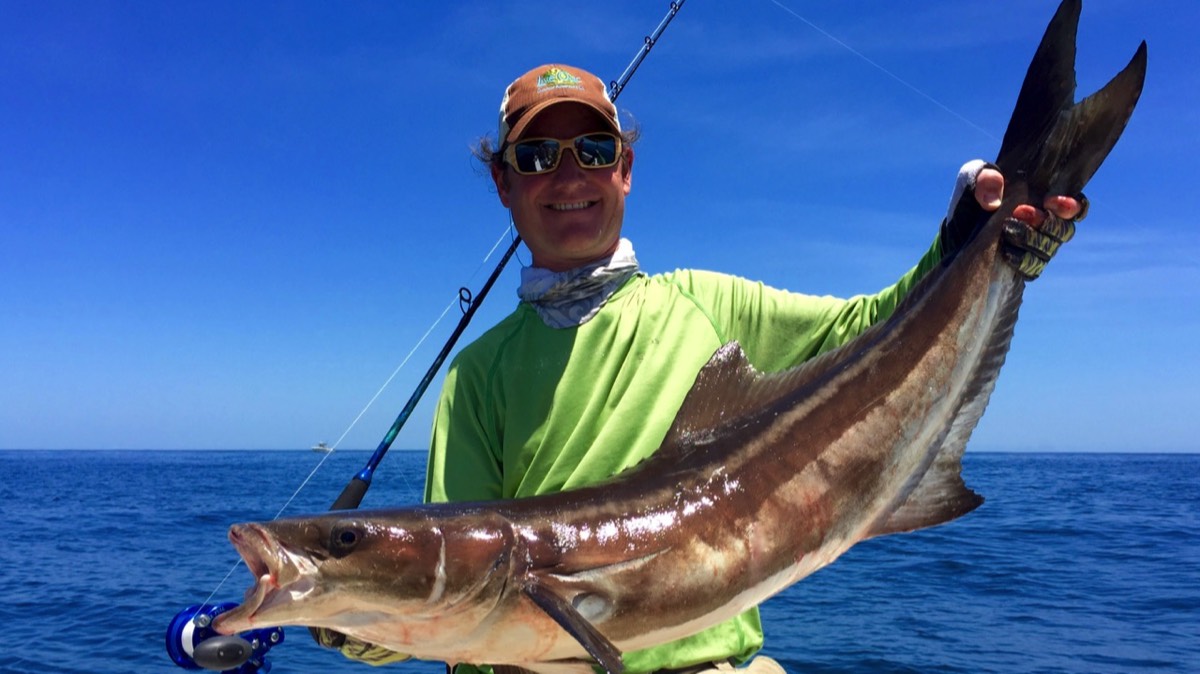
585, 377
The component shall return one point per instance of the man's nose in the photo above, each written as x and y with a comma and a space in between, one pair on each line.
570, 166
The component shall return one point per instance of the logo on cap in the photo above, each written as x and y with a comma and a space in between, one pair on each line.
557, 78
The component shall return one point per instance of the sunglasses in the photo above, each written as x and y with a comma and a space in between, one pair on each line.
534, 156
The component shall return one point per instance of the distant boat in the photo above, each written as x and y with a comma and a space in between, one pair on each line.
322, 448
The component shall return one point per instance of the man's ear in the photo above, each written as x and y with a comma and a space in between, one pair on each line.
500, 177
627, 169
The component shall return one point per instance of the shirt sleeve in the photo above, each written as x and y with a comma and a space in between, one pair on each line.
779, 329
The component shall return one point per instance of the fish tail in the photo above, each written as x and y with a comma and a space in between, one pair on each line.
1054, 145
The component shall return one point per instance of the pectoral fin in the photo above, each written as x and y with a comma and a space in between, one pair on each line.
595, 643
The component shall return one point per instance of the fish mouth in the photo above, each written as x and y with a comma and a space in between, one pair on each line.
280, 581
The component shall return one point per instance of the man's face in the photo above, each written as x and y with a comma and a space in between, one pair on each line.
570, 216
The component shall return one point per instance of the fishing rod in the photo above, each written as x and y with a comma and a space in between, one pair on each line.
192, 643
354, 491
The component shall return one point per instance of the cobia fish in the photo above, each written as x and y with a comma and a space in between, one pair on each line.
762, 480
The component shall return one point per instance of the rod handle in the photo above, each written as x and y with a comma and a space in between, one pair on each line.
352, 495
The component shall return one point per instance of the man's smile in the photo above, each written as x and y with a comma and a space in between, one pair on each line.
571, 206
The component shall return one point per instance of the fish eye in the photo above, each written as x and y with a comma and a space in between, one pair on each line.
343, 538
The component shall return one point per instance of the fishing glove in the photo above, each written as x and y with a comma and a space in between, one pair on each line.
354, 649
964, 215
1027, 249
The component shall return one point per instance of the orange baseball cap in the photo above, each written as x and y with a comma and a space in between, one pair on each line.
545, 86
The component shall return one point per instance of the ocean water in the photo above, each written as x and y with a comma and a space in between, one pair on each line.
1076, 563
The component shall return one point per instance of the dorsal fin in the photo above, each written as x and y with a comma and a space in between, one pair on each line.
724, 389
729, 387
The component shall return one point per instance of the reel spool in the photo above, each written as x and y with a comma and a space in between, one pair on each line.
192, 643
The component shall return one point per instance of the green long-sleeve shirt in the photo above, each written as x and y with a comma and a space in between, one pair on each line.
527, 409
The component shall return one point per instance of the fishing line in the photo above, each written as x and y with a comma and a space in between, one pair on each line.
457, 300
354, 491
357, 487
181, 637
885, 71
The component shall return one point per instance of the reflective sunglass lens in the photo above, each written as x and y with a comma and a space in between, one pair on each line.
596, 150
537, 156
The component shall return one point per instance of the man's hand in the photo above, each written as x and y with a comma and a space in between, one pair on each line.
989, 191
1031, 237
355, 649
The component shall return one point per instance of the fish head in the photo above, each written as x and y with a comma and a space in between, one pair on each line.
337, 570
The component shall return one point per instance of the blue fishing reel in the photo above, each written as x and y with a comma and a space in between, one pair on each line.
193, 644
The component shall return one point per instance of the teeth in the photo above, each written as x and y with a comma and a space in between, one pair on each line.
572, 206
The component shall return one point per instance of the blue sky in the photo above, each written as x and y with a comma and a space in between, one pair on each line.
224, 224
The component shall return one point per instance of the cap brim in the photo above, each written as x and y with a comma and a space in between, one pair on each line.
523, 123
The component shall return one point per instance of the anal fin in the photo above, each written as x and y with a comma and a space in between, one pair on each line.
940, 497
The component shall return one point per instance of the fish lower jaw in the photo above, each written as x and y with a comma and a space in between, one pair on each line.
265, 604
291, 593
